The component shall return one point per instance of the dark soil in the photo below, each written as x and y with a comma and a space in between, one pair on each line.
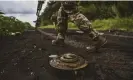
25, 57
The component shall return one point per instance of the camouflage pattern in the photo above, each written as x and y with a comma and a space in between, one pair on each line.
70, 11
67, 10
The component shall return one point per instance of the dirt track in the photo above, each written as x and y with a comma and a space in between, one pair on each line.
25, 57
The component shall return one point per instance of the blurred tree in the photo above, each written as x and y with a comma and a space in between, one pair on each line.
9, 25
1, 12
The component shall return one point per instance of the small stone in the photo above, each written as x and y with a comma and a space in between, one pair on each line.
40, 49
2, 71
32, 73
15, 64
34, 46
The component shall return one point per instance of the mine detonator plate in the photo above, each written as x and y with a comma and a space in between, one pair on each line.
69, 62
69, 58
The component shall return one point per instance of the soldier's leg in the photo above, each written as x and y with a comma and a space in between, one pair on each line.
61, 27
84, 24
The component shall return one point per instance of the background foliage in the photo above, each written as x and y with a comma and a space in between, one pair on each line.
103, 14
11, 25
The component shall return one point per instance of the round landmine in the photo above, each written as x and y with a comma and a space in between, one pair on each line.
69, 58
68, 61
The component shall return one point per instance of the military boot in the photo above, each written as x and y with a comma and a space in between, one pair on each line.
98, 43
59, 40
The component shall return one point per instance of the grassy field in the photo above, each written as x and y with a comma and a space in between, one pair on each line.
105, 24
117, 23
71, 26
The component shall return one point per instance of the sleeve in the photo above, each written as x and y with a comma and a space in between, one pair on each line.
39, 6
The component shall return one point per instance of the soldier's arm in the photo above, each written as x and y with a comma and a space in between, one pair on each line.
39, 7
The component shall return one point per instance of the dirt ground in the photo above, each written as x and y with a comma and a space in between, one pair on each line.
25, 57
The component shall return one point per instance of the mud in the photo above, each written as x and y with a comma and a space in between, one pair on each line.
25, 57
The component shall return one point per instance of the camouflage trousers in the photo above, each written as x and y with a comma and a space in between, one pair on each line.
78, 19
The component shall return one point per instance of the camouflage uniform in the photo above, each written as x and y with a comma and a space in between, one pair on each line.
69, 10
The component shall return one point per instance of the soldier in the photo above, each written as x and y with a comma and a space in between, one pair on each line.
69, 10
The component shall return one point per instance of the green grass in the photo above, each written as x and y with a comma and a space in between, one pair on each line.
48, 26
105, 24
117, 23
71, 26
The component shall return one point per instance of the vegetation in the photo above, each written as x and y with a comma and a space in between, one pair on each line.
1, 12
116, 23
103, 15
70, 25
106, 24
11, 25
